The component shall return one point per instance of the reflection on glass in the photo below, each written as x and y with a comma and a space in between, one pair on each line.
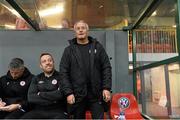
21, 24
157, 34
162, 17
155, 44
106, 14
139, 90
10, 18
52, 13
155, 92
65, 23
174, 81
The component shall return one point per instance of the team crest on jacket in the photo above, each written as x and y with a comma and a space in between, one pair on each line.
22, 83
54, 82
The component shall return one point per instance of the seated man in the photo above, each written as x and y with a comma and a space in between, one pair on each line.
45, 92
13, 90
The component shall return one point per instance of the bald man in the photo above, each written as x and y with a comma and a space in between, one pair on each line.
85, 71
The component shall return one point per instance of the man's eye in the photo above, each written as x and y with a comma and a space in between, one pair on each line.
43, 61
83, 28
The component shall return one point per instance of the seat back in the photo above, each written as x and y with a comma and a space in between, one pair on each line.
89, 117
125, 102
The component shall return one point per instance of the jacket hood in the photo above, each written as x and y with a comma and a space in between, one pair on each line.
74, 40
24, 75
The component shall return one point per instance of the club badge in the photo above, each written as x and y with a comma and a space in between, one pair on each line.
123, 103
54, 82
22, 83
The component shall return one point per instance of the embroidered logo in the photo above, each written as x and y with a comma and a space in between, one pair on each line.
7, 83
22, 83
54, 82
40, 82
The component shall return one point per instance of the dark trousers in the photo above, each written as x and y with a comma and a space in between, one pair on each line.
11, 115
45, 114
79, 109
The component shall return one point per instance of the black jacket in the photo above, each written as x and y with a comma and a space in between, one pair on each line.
45, 92
73, 76
15, 91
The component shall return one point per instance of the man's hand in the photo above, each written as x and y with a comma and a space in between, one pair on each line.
2, 104
10, 108
106, 95
71, 99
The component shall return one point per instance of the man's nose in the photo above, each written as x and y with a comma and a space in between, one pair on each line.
81, 29
47, 63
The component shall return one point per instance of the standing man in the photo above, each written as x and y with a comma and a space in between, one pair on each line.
86, 74
13, 90
45, 92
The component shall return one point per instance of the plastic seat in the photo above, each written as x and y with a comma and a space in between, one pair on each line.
128, 103
88, 115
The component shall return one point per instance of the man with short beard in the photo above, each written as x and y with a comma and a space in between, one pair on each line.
45, 92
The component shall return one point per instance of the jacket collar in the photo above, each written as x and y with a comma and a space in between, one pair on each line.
74, 40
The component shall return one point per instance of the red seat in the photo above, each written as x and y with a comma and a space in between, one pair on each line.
88, 115
130, 105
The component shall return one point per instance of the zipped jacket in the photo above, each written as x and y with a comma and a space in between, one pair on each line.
72, 73
45, 92
15, 91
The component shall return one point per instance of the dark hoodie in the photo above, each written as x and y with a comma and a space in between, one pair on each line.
15, 91
73, 75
